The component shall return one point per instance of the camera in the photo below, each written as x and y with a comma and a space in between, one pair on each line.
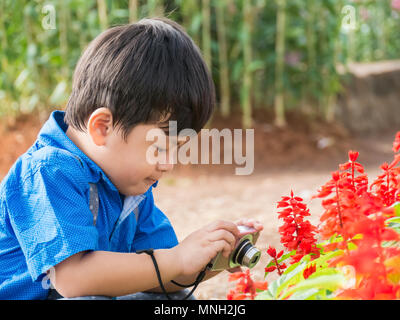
245, 253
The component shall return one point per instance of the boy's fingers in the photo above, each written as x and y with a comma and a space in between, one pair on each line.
223, 246
251, 223
258, 226
226, 225
226, 251
222, 234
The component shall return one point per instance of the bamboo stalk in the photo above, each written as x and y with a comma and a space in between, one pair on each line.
206, 32
332, 97
63, 36
82, 14
4, 42
381, 23
247, 59
189, 10
133, 11
223, 59
155, 8
102, 9
351, 47
308, 88
311, 51
279, 106
206, 41
311, 54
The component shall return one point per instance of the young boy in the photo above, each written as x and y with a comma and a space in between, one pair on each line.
78, 205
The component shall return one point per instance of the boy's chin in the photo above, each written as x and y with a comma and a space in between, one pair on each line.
138, 189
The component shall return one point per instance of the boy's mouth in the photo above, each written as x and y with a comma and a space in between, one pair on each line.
151, 180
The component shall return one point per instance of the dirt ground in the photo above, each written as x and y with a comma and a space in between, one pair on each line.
299, 158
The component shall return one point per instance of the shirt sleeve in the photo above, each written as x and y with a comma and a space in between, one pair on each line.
50, 215
154, 230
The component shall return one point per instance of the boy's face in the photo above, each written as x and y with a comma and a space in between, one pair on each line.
127, 163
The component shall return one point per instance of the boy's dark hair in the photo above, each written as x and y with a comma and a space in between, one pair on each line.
142, 72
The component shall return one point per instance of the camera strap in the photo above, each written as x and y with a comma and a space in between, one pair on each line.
199, 278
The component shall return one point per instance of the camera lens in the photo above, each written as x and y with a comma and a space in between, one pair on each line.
246, 254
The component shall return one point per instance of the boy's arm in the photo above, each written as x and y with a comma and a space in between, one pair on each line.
112, 273
116, 274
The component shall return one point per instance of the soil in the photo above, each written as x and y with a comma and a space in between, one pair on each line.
299, 158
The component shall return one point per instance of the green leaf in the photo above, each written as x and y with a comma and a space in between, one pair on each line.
329, 282
291, 278
265, 295
21, 79
324, 258
397, 209
256, 65
59, 94
323, 272
305, 294
393, 220
285, 256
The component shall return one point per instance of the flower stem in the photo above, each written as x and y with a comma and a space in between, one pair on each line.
277, 266
338, 206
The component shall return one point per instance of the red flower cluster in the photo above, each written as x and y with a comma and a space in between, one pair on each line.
309, 271
296, 232
276, 265
342, 208
245, 287
353, 211
386, 186
359, 215
369, 261
396, 143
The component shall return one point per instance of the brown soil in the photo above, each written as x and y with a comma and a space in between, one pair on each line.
299, 157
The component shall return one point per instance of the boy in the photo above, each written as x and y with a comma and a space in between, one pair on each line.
78, 205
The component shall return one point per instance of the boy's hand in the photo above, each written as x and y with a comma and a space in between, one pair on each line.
248, 222
201, 246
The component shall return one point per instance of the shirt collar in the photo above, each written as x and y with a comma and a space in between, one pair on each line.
53, 133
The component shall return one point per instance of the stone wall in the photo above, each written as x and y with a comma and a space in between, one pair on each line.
370, 102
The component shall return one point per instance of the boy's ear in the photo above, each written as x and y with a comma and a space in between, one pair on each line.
100, 125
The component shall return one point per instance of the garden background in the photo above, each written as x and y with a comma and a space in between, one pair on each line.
313, 79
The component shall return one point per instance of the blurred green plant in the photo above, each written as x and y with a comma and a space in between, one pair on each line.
269, 55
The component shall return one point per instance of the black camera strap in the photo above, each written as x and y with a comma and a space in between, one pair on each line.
195, 284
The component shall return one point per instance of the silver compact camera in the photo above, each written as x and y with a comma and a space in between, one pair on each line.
245, 253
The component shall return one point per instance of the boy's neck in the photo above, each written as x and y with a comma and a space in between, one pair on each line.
80, 139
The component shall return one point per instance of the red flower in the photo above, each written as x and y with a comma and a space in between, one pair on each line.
353, 155
270, 269
245, 287
276, 265
396, 143
309, 271
296, 232
271, 251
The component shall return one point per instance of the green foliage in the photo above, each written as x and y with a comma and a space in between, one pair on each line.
292, 285
37, 63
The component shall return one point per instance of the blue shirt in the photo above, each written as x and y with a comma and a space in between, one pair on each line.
45, 215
